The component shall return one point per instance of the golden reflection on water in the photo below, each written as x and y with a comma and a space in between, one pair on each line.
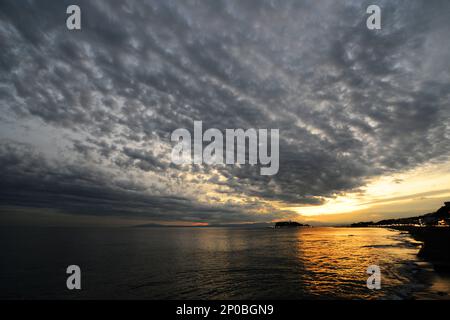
336, 259
302, 262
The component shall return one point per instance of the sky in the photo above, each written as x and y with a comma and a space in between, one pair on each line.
86, 115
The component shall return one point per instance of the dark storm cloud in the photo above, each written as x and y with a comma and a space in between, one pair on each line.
28, 180
350, 103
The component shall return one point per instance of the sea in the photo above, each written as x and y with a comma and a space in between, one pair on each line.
214, 263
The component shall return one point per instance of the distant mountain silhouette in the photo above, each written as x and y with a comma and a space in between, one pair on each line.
223, 225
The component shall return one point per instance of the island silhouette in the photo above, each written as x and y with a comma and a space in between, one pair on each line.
289, 224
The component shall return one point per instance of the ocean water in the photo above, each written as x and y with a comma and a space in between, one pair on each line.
209, 263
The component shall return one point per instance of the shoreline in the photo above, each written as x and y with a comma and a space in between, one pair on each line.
436, 244
435, 255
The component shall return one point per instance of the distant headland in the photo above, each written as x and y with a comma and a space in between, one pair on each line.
440, 218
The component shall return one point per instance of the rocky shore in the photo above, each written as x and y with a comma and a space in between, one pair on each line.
436, 244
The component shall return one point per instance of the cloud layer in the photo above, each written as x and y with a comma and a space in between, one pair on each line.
87, 115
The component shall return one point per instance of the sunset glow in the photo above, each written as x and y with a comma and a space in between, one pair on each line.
429, 184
